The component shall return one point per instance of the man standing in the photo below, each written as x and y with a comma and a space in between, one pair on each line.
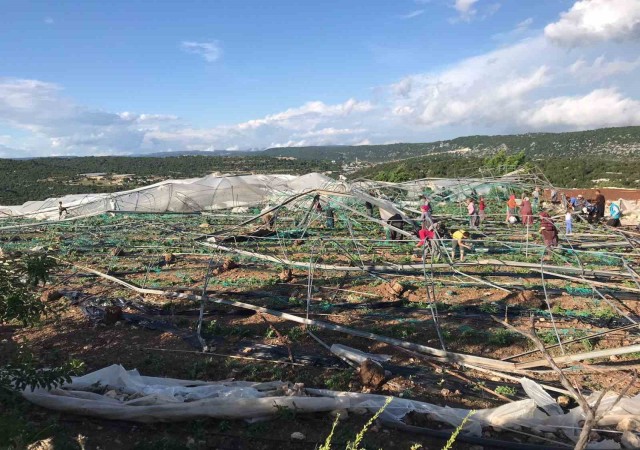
599, 202
61, 209
536, 198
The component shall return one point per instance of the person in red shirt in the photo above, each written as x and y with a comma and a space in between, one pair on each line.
481, 207
424, 234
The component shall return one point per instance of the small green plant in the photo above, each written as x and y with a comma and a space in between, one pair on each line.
295, 333
339, 381
456, 432
502, 338
355, 445
508, 391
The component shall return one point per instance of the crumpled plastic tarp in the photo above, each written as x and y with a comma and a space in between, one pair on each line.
154, 399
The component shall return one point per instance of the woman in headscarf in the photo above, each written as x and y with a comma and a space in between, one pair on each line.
548, 230
511, 207
526, 211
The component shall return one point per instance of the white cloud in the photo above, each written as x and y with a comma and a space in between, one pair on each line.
529, 84
48, 20
590, 21
601, 69
481, 90
210, 51
412, 14
601, 107
465, 8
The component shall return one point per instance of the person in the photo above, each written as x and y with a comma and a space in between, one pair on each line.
473, 214
548, 230
369, 207
615, 213
481, 208
554, 196
511, 207
398, 222
526, 211
458, 242
536, 197
61, 209
599, 202
315, 204
329, 216
568, 221
425, 235
579, 203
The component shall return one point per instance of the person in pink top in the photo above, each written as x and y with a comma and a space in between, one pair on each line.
473, 213
526, 212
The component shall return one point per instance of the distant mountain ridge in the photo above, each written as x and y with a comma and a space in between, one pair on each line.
618, 142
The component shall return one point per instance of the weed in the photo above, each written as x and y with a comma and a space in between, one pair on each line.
489, 308
224, 426
295, 333
454, 435
339, 381
509, 391
502, 338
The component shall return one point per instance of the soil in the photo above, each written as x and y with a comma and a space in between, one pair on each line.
465, 309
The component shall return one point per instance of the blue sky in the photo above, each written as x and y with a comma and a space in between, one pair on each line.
120, 77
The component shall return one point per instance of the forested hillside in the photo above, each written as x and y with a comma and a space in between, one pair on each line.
620, 142
40, 178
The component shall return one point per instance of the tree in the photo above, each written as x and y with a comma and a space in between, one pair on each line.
19, 303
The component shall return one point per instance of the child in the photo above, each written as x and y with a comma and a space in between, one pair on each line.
568, 221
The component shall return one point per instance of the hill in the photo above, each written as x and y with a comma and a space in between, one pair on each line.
40, 178
619, 142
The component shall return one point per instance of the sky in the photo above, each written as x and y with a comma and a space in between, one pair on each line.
136, 77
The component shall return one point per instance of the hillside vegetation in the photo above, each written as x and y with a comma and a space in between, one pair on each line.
624, 141
40, 178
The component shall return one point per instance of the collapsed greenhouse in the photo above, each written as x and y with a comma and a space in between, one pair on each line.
305, 273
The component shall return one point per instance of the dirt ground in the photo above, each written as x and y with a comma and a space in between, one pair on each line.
244, 345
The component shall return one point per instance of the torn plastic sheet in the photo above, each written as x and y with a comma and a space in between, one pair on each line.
356, 355
153, 399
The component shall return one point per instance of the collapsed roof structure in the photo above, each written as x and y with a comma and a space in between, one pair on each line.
318, 225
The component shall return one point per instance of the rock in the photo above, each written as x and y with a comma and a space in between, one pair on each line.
297, 436
286, 275
51, 296
342, 414
630, 440
204, 225
445, 392
371, 373
112, 315
394, 289
45, 444
229, 264
628, 424
169, 258
564, 401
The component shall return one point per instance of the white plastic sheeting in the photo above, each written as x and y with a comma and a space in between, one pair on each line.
209, 193
152, 399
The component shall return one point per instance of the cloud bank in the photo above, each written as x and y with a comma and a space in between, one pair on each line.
581, 71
